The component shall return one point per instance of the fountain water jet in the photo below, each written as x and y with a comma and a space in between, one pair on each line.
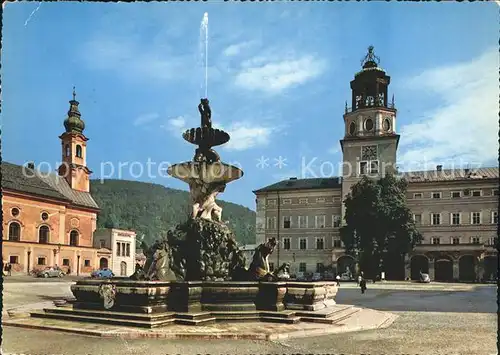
204, 51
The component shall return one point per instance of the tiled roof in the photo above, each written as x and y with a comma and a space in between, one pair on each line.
411, 176
43, 184
303, 184
450, 175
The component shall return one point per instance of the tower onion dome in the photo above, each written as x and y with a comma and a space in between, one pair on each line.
74, 123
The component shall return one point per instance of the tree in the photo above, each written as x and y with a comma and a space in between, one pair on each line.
379, 227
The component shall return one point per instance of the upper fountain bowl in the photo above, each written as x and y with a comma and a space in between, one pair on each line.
206, 136
218, 172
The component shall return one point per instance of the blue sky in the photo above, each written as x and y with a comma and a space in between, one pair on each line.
278, 79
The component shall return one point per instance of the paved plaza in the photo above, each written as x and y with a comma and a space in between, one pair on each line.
432, 318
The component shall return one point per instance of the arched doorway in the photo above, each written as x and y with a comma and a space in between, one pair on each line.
123, 268
346, 264
103, 263
490, 267
466, 268
394, 267
418, 264
443, 269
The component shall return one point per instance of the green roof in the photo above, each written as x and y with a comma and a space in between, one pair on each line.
303, 184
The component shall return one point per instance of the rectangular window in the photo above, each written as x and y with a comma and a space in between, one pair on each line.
417, 195
435, 240
65, 262
476, 193
456, 194
287, 201
436, 195
286, 243
102, 243
493, 241
302, 243
363, 167
455, 240
476, 218
495, 192
436, 218
287, 222
271, 223
494, 217
118, 249
476, 240
336, 221
86, 263
302, 267
303, 201
417, 218
320, 200
320, 268
374, 167
302, 221
320, 243
455, 218
271, 267
320, 221
14, 259
337, 243
128, 249
41, 261
271, 202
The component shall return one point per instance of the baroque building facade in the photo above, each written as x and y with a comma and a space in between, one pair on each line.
121, 244
49, 218
456, 210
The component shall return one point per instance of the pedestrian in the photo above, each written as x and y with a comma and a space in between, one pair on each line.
362, 283
69, 270
9, 269
338, 280
359, 280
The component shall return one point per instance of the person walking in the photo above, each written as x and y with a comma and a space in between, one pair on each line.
338, 280
362, 284
9, 269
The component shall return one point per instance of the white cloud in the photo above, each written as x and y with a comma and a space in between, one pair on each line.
175, 125
145, 118
246, 135
272, 76
465, 126
236, 49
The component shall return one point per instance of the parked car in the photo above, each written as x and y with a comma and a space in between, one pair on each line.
102, 273
425, 278
317, 277
346, 277
301, 276
50, 272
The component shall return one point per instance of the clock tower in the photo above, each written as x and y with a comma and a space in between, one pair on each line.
370, 141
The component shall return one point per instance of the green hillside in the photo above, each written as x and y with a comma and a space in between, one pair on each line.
152, 209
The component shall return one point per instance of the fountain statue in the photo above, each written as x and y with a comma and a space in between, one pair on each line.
203, 248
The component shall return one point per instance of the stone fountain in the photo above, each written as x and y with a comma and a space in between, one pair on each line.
196, 274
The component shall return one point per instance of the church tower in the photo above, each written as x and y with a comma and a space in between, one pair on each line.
370, 141
74, 150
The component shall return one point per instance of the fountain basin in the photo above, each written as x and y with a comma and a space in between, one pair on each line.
217, 172
206, 136
193, 296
